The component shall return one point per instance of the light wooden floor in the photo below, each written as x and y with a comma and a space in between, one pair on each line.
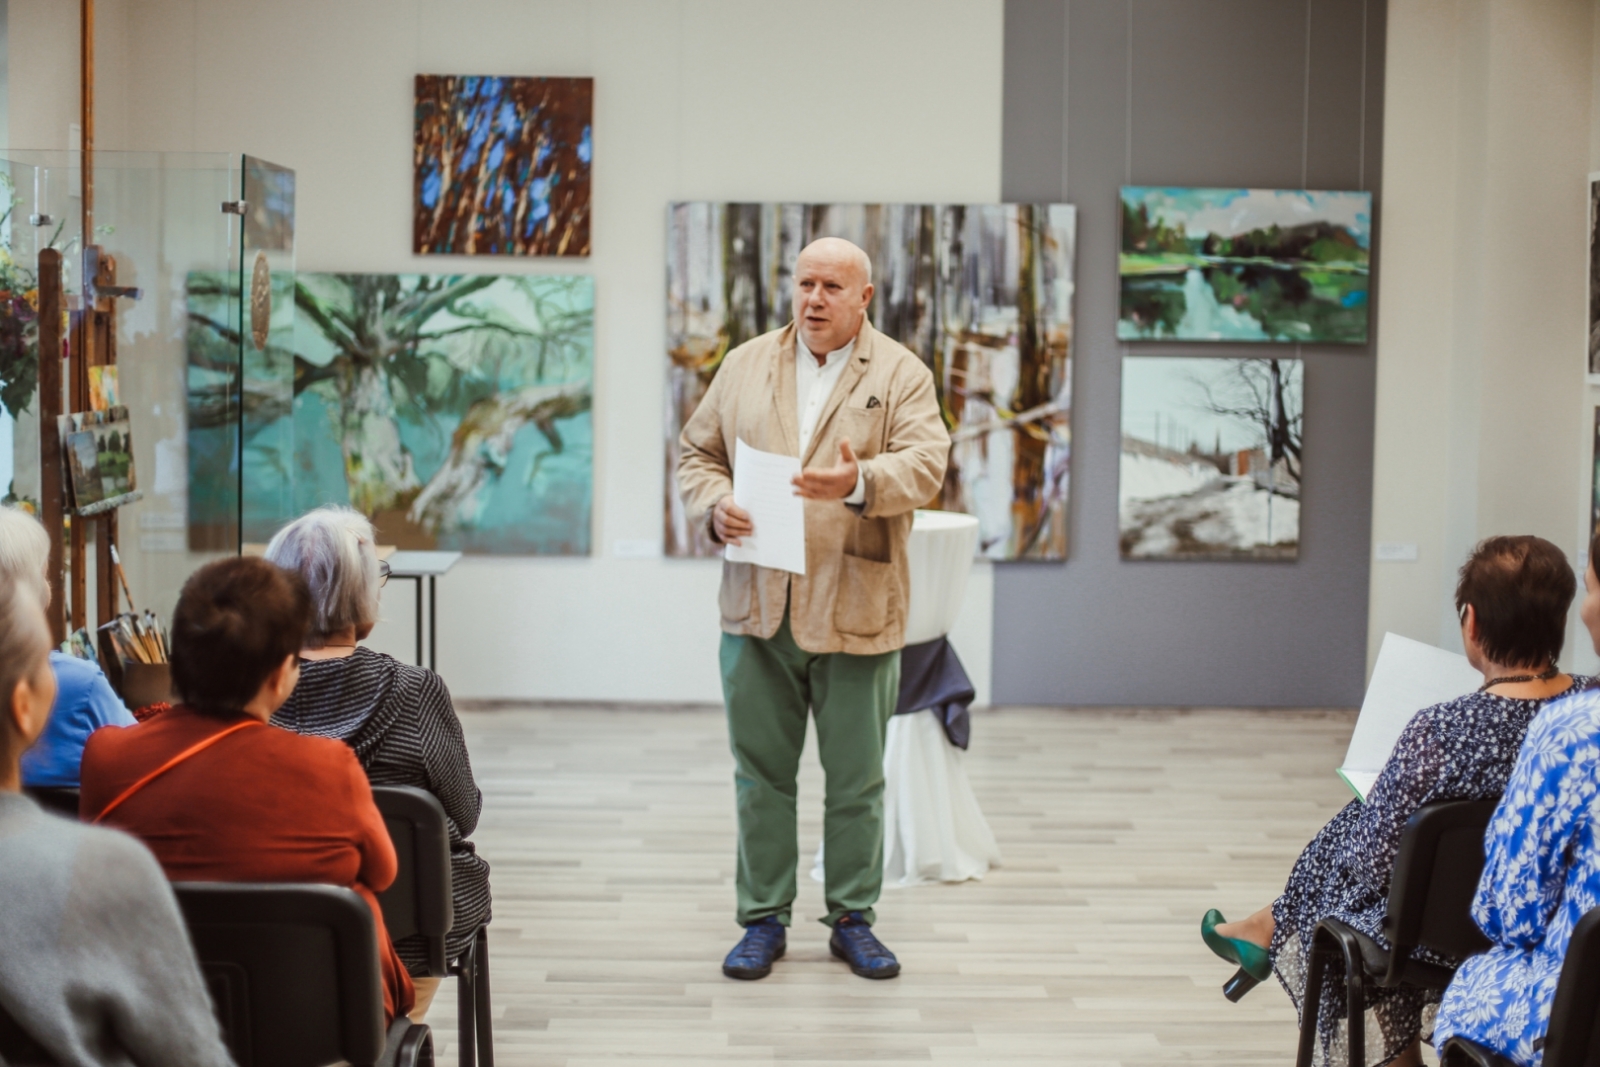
611, 837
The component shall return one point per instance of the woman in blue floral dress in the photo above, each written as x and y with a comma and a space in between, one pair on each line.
1512, 596
1541, 874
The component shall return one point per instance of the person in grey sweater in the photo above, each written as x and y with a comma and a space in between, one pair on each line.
96, 969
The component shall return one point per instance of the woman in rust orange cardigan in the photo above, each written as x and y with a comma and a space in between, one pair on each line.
216, 794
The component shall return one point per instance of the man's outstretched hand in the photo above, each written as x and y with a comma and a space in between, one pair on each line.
730, 521
829, 483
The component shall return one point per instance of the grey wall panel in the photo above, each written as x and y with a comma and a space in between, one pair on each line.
1097, 153
1217, 92
1334, 159
1185, 92
1034, 99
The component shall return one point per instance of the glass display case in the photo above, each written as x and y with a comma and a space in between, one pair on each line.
198, 284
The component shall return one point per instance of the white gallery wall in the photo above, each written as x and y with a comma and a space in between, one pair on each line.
1491, 126
888, 100
1484, 420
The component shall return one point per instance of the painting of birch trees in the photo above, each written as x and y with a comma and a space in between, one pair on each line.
1211, 458
982, 292
452, 410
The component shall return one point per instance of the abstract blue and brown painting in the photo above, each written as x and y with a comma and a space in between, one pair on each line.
502, 166
1267, 265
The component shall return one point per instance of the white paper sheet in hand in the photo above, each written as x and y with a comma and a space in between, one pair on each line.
762, 486
1408, 677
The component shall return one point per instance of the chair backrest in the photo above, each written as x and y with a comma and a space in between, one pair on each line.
61, 799
292, 969
1435, 878
419, 901
1573, 1039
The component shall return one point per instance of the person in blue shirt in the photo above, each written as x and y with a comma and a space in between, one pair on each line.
85, 702
84, 698
1541, 874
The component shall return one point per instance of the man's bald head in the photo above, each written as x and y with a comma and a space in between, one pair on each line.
832, 288
838, 251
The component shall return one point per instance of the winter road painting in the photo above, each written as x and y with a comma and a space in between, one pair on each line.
1210, 458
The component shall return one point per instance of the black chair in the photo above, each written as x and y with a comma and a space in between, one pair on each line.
1430, 900
419, 902
1573, 1039
61, 799
294, 976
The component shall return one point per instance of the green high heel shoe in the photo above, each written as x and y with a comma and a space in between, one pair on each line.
1255, 966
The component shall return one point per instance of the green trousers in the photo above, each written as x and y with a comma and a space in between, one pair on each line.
768, 686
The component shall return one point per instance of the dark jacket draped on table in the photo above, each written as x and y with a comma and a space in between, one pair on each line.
932, 678
1463, 749
401, 724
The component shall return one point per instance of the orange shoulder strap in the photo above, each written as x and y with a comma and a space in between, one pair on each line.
192, 750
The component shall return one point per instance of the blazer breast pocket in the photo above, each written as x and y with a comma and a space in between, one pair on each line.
865, 428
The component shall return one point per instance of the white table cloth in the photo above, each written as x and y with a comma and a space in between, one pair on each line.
940, 555
933, 828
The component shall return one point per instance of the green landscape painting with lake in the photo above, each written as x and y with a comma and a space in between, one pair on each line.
1269, 265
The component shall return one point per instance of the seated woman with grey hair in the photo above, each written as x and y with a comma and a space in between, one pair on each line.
85, 701
398, 718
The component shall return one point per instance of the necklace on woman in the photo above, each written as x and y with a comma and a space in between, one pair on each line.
1512, 678
318, 655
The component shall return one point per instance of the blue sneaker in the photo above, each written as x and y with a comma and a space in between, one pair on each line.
853, 942
764, 941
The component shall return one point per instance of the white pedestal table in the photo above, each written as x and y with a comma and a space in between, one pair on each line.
933, 829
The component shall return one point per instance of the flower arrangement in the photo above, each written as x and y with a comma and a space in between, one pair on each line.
19, 332
19, 313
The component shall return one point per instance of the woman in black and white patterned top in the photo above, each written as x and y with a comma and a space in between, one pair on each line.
398, 718
1512, 599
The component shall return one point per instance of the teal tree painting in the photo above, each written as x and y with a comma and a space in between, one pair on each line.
1284, 265
452, 410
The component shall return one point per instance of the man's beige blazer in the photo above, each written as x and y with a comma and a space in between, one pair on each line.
853, 595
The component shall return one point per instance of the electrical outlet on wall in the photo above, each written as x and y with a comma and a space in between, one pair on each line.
1395, 552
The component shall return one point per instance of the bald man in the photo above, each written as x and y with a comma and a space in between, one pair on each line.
860, 412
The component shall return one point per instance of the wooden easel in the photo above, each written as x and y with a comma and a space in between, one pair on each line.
92, 342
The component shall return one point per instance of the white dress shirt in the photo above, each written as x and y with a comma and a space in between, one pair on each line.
813, 385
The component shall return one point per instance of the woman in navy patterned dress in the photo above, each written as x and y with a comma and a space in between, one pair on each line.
1512, 599
1541, 874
